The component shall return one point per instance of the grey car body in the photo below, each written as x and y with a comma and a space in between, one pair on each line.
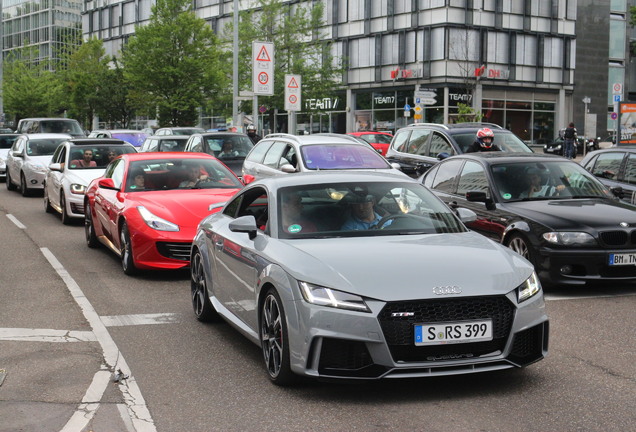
329, 303
6, 141
50, 125
279, 154
164, 143
614, 167
28, 160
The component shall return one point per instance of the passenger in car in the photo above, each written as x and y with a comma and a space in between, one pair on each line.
293, 221
86, 161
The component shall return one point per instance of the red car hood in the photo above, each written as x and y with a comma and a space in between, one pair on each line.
183, 207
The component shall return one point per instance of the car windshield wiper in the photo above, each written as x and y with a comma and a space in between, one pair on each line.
587, 196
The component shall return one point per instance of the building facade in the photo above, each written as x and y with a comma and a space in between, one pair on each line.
518, 62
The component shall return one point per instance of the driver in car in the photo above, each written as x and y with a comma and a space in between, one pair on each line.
195, 174
362, 215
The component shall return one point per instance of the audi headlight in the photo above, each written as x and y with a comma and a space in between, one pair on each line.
78, 189
570, 238
529, 288
155, 222
323, 296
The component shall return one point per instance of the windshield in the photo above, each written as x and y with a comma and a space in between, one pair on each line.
376, 138
229, 146
362, 209
168, 174
97, 156
7, 141
133, 138
43, 146
71, 127
505, 140
525, 181
342, 156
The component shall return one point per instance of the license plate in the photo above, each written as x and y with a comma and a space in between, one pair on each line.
622, 259
449, 333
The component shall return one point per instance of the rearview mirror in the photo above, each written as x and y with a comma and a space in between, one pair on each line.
474, 196
246, 224
288, 168
107, 183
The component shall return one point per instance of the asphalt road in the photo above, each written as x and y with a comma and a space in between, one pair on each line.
70, 318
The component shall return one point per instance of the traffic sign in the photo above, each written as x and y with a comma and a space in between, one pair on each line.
424, 94
428, 101
614, 116
292, 92
617, 88
418, 109
407, 107
263, 68
617, 98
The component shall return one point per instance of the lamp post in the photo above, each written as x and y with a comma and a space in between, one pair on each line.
235, 48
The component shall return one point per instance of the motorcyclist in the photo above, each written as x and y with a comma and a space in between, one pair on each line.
251, 132
484, 141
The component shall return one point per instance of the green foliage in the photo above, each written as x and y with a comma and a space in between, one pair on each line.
298, 45
173, 63
113, 93
632, 16
466, 113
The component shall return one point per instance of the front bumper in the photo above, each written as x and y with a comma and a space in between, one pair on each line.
338, 344
582, 266
165, 250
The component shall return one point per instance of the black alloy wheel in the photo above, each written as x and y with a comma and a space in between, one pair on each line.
126, 252
201, 305
274, 340
47, 202
89, 229
521, 245
66, 219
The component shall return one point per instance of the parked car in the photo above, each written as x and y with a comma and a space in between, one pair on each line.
616, 168
278, 154
6, 141
230, 147
50, 125
135, 137
321, 303
419, 146
379, 140
557, 146
66, 181
549, 209
179, 131
164, 143
146, 206
28, 160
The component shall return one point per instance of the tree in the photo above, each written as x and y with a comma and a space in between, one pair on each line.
173, 63
114, 92
299, 46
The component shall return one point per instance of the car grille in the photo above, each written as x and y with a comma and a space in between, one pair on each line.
399, 331
528, 345
617, 238
77, 208
174, 250
347, 358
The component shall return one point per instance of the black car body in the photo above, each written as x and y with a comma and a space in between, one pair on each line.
614, 167
575, 233
557, 146
419, 146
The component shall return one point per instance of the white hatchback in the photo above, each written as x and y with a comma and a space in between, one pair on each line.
75, 163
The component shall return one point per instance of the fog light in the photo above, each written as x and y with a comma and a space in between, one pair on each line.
34, 181
566, 269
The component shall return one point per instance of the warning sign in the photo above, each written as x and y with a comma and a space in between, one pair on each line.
292, 92
263, 68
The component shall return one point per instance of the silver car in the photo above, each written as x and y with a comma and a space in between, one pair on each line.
360, 275
278, 154
28, 160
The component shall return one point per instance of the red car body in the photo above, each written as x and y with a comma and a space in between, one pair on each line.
115, 216
378, 140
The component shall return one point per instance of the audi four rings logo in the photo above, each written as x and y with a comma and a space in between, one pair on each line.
447, 290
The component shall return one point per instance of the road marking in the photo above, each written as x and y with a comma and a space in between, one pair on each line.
139, 319
136, 405
90, 403
15, 221
45, 335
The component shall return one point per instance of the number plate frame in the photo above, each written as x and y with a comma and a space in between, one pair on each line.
625, 258
447, 332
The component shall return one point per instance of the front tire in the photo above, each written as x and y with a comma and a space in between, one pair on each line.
10, 185
66, 219
127, 262
89, 229
522, 246
24, 190
275, 340
47, 202
201, 305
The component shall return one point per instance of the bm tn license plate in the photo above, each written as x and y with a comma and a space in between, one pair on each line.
622, 259
458, 332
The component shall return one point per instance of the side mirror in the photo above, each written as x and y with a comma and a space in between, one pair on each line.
466, 215
474, 196
618, 191
443, 155
17, 154
55, 167
396, 166
107, 183
244, 224
247, 179
288, 168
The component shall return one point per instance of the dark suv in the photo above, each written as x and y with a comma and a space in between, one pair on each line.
419, 146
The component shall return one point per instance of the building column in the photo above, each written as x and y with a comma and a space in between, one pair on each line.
350, 109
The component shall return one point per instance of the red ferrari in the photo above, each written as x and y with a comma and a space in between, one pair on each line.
147, 206
378, 140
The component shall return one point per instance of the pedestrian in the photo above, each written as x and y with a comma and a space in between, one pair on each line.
251, 132
569, 138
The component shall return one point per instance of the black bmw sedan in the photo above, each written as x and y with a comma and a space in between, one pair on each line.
548, 209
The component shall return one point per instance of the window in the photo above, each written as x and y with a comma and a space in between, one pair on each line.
257, 153
273, 156
498, 47
630, 169
463, 45
361, 52
446, 176
400, 142
472, 179
526, 50
418, 141
438, 145
608, 165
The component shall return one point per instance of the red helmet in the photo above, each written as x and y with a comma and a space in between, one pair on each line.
485, 133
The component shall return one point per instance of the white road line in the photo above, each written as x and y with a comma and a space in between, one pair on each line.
139, 319
90, 403
45, 335
137, 409
16, 221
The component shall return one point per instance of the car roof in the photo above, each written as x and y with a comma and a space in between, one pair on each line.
320, 177
48, 118
119, 131
94, 141
169, 137
319, 138
46, 135
224, 133
166, 155
498, 157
